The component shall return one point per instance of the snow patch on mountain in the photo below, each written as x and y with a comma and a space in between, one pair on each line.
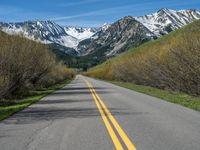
68, 41
80, 33
105, 26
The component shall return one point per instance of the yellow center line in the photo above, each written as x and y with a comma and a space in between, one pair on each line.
120, 131
111, 132
123, 135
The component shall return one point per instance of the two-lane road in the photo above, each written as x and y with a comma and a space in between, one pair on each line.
89, 114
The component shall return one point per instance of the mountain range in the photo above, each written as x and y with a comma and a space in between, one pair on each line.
105, 41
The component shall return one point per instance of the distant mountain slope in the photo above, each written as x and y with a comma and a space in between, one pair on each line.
49, 32
44, 31
80, 33
133, 31
118, 37
167, 20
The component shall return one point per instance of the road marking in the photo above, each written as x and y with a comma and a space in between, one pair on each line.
118, 128
111, 132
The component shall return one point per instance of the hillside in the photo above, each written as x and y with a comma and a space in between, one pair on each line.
170, 62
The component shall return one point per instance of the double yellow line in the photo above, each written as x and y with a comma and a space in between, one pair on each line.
106, 116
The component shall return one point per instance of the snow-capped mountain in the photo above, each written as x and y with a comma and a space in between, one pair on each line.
167, 20
133, 31
116, 38
49, 32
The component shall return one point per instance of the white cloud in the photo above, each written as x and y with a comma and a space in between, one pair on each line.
76, 3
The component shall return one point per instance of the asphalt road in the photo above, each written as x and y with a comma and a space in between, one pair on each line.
95, 115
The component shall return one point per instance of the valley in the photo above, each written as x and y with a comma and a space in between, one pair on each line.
87, 47
70, 81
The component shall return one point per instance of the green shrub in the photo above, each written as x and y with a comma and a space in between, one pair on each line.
24, 64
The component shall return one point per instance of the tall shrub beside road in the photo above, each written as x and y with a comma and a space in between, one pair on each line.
25, 63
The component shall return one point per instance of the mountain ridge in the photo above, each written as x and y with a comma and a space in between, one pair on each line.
108, 40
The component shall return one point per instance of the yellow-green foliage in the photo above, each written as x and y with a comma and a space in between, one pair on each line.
171, 62
58, 74
25, 63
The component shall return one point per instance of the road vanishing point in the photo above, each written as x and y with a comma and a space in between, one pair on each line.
90, 114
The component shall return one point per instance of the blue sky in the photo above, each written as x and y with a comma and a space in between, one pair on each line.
87, 13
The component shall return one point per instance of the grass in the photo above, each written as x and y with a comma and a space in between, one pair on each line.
171, 96
9, 107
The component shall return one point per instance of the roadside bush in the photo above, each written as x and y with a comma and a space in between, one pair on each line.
58, 73
23, 63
